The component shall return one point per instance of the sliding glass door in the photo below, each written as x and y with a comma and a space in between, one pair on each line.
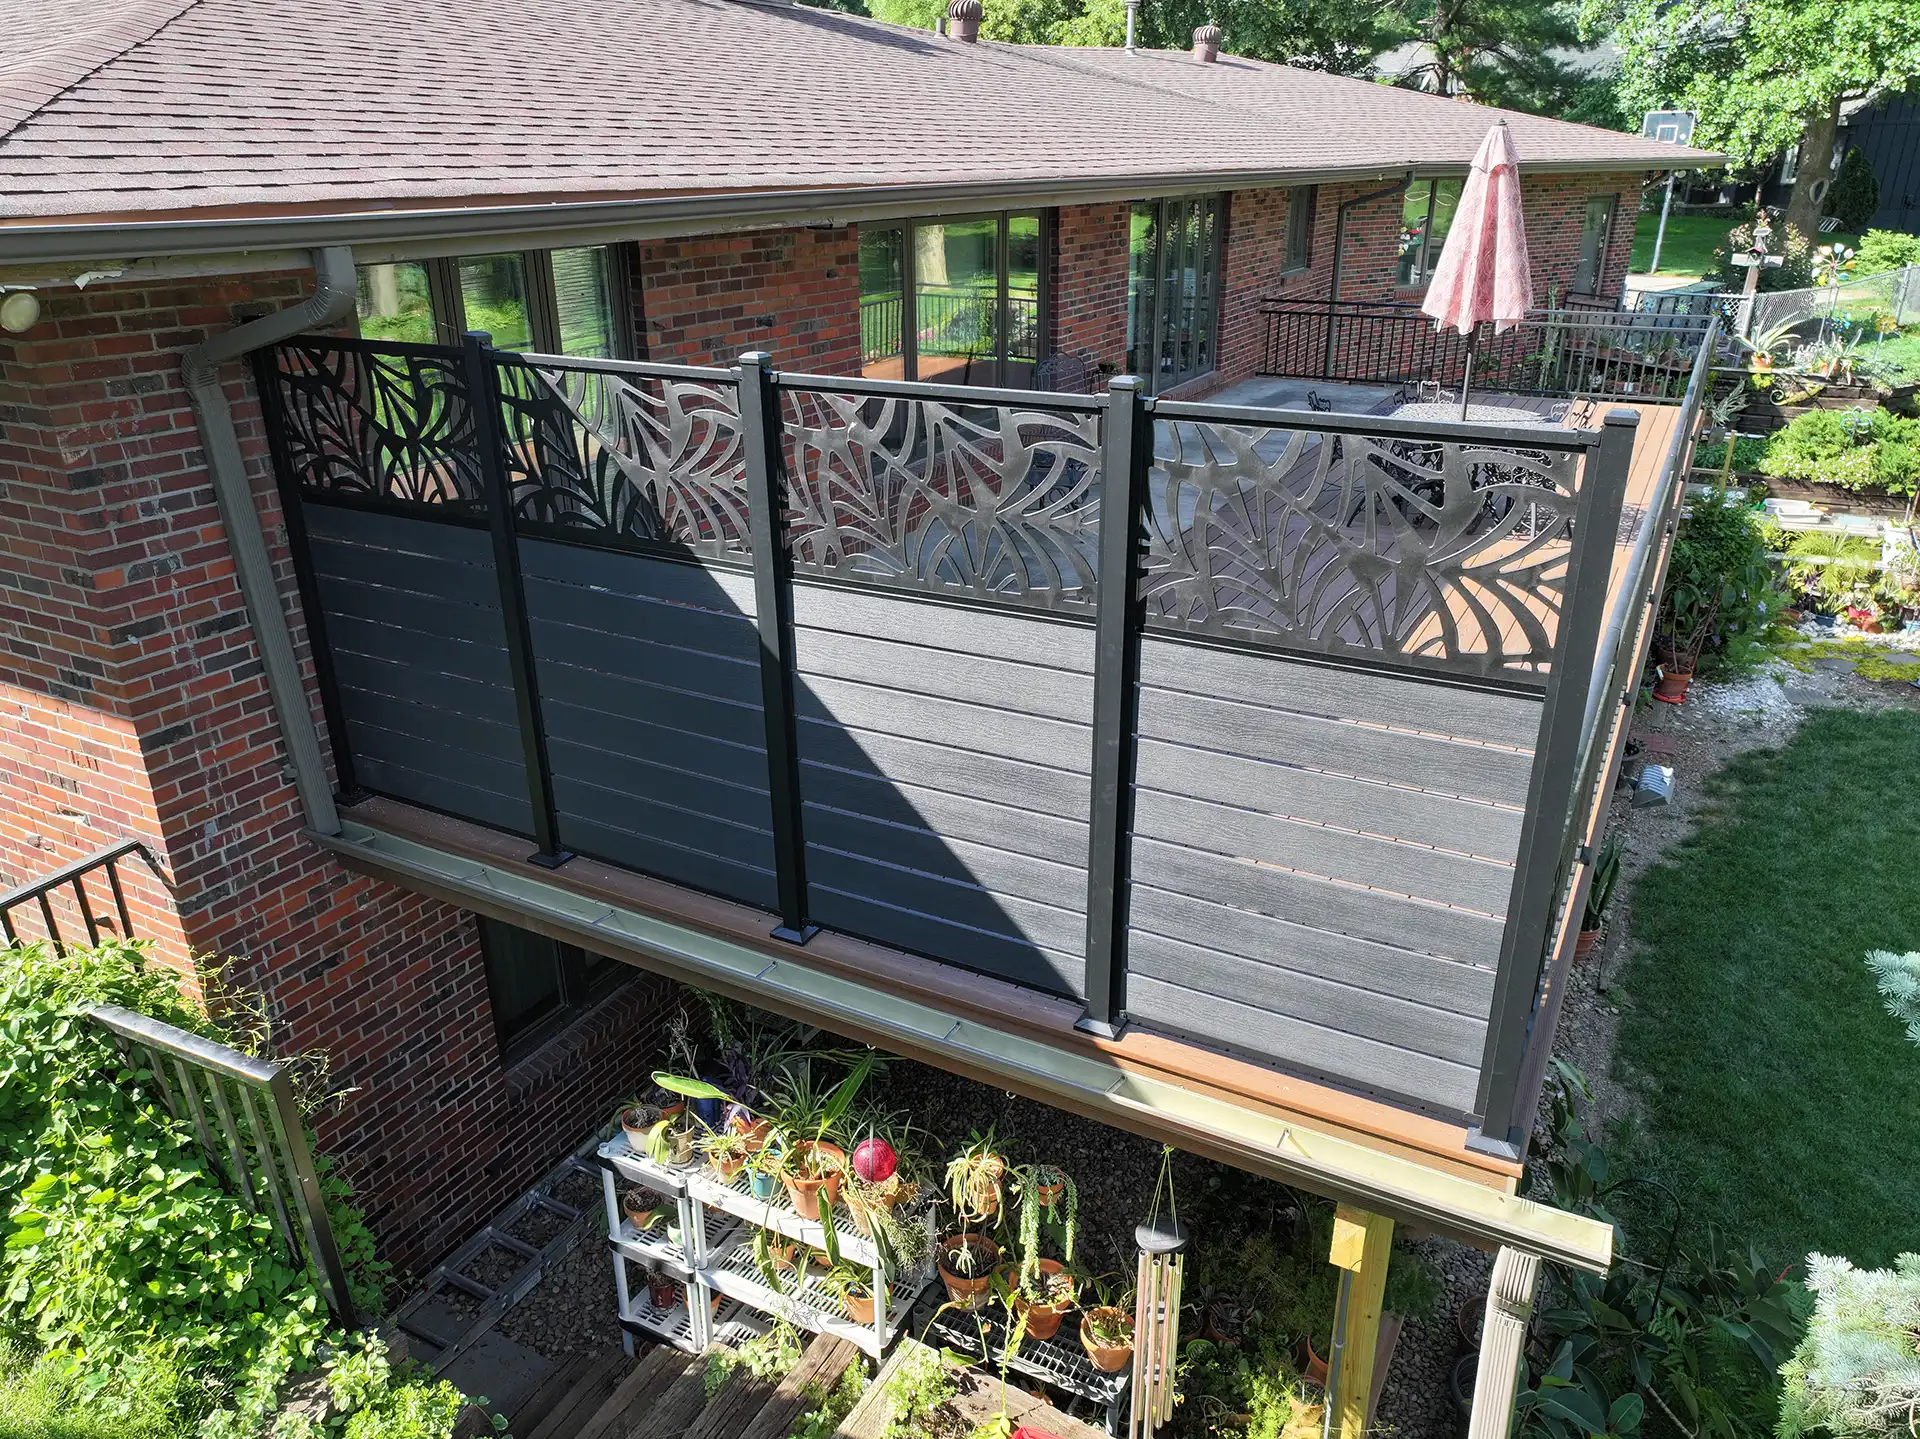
1173, 289
954, 301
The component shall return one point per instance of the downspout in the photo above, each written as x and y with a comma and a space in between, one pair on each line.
330, 302
1340, 230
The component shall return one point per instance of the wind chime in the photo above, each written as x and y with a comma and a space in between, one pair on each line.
1156, 1322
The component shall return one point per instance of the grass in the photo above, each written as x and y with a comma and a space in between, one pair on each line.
1691, 241
1782, 1102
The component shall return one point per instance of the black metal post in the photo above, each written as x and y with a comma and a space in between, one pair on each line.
765, 448
1126, 459
484, 403
1556, 762
347, 789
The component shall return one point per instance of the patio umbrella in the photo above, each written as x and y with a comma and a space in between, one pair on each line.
1483, 272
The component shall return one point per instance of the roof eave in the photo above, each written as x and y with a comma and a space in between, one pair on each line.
458, 226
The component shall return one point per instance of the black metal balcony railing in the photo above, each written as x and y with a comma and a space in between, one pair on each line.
954, 320
69, 882
1026, 682
1578, 353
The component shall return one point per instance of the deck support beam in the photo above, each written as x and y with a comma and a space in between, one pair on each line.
1362, 1246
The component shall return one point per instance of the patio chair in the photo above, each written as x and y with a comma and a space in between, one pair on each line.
1318, 403
1066, 374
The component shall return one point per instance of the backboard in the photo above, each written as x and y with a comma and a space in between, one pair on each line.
1675, 126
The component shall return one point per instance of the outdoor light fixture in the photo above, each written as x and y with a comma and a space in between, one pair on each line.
1655, 786
19, 311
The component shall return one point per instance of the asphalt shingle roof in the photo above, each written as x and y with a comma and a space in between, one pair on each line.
152, 106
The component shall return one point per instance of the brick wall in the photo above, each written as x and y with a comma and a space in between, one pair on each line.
134, 703
1090, 282
795, 293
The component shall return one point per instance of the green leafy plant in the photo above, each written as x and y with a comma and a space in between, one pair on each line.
1861, 450
1606, 875
1882, 250
922, 1385
765, 1357
975, 1175
1855, 192
1719, 584
1047, 1193
1898, 978
1794, 272
829, 1406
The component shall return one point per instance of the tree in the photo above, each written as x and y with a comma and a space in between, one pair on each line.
1856, 192
1341, 36
1499, 52
1763, 74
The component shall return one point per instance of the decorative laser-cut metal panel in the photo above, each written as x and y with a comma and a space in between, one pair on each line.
646, 460
378, 425
1442, 554
983, 501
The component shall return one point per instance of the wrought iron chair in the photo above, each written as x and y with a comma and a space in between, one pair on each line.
1318, 403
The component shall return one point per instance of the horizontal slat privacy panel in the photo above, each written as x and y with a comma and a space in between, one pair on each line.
650, 689
1321, 859
945, 757
412, 615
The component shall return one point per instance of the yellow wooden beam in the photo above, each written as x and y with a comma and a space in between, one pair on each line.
1362, 1245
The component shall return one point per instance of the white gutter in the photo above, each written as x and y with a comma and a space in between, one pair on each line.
330, 302
1324, 1162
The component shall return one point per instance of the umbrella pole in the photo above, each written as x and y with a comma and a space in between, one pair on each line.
1466, 380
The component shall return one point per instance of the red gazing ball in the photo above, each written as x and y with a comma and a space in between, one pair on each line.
874, 1160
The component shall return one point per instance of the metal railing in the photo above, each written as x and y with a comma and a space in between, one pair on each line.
247, 1120
950, 321
40, 893
1578, 353
243, 1110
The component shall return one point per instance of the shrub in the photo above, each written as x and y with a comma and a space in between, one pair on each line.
1855, 193
1795, 272
1872, 450
1854, 1376
1882, 250
1719, 586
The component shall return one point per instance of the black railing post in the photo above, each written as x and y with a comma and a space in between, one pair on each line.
1126, 459
764, 441
1550, 788
484, 404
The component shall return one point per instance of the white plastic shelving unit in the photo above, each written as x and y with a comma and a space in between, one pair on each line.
714, 1261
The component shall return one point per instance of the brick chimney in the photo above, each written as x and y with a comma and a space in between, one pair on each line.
1206, 43
963, 19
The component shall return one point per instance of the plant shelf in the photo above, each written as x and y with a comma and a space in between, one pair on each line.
667, 1180
1060, 1363
808, 1302
732, 1323
736, 1198
651, 1246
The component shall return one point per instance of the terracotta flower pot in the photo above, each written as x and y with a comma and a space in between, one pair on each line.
859, 1306
804, 1191
1672, 687
1312, 1367
863, 1200
1107, 1358
1583, 945
969, 1291
1043, 1320
642, 1211
1049, 1194
637, 1134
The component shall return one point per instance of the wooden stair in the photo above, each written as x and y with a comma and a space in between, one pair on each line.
662, 1395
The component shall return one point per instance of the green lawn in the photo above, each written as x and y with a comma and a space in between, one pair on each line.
1782, 1101
1691, 241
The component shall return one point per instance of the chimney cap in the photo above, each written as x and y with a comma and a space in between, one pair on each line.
1206, 43
964, 18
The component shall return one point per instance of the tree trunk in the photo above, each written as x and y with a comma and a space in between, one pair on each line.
1816, 172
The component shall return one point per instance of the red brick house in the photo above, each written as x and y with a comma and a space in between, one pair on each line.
677, 183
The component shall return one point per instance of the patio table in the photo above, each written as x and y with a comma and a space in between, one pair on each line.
1485, 414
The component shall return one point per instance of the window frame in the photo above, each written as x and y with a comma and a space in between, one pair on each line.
1297, 250
1427, 258
578, 987
1612, 218
1213, 211
449, 305
908, 339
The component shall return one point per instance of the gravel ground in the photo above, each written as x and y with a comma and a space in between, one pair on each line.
572, 1310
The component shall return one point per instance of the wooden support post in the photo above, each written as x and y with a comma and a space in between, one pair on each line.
1362, 1244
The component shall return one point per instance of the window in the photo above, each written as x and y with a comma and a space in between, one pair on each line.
1426, 216
1299, 251
1790, 165
569, 302
955, 301
1595, 234
535, 984
1173, 289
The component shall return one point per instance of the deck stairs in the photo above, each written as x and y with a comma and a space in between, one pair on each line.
661, 1394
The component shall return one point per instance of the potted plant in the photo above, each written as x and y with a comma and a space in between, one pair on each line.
727, 1149
1042, 1296
854, 1288
967, 1262
642, 1207
1047, 1195
763, 1172
974, 1176
1606, 874
1106, 1329
1693, 623
802, 1112
663, 1290
637, 1117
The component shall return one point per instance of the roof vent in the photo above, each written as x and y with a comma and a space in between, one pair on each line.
1206, 43
963, 19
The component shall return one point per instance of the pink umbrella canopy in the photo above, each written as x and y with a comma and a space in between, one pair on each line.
1483, 272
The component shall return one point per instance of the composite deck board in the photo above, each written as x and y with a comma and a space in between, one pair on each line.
1030, 688
956, 627
451, 796
651, 778
728, 677
1019, 785
1062, 885
388, 604
993, 733
945, 816
634, 580
648, 854
950, 896
422, 650
937, 937
1366, 1064
623, 700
